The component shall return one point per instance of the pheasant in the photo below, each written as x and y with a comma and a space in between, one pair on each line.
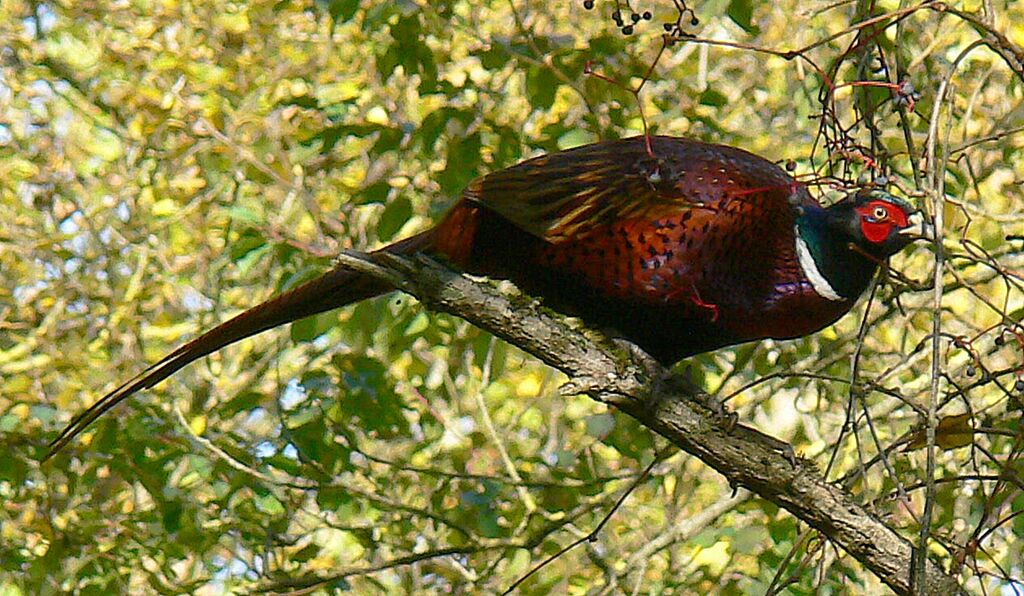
679, 246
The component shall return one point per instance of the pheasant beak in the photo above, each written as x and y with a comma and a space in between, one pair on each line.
917, 228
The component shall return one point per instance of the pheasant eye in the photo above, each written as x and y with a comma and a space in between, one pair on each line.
880, 213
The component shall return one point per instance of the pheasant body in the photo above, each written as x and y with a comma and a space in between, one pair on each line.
704, 256
680, 247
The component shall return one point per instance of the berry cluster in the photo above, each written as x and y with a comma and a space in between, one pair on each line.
976, 363
626, 26
675, 28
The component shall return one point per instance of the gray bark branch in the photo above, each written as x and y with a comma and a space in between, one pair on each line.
671, 406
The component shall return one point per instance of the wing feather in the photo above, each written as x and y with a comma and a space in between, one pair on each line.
566, 195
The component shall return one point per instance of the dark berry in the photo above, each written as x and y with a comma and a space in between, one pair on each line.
617, 17
1000, 341
790, 165
668, 26
588, 4
970, 371
695, 21
635, 17
1019, 385
647, 15
627, 30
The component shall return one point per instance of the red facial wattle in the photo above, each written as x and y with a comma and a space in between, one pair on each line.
875, 231
878, 219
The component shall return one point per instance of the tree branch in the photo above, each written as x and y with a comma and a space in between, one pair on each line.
1012, 55
671, 406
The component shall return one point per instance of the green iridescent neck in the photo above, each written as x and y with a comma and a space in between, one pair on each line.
846, 270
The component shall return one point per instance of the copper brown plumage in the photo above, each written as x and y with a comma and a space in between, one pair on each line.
676, 245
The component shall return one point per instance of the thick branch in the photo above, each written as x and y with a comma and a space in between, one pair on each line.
674, 409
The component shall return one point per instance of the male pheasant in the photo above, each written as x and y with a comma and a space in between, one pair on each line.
680, 247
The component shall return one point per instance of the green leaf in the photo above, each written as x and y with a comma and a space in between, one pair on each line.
270, 505
369, 398
631, 439
13, 469
300, 276
418, 324
435, 123
306, 553
171, 512
284, 463
245, 400
9, 422
493, 57
575, 138
246, 215
749, 539
599, 425
248, 240
394, 217
461, 165
541, 86
333, 498
713, 98
342, 10
389, 139
374, 193
741, 12
310, 439
313, 327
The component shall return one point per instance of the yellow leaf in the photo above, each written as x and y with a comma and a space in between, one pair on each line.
236, 24
337, 92
198, 425
33, 362
377, 115
20, 410
529, 386
165, 207
715, 558
18, 169
102, 143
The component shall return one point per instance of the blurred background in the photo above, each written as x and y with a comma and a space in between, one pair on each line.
167, 163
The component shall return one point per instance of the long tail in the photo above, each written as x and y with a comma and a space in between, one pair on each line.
337, 287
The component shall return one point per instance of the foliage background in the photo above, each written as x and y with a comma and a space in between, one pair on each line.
164, 164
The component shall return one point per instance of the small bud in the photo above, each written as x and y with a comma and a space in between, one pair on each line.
1019, 385
970, 371
627, 30
647, 15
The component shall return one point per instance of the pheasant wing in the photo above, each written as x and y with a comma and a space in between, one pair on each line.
567, 195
